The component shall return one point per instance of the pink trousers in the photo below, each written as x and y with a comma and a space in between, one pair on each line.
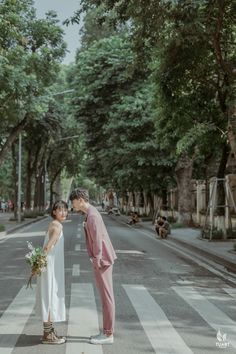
103, 277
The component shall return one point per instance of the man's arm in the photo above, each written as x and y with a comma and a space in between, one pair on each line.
95, 230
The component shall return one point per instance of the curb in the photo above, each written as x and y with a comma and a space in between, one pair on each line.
229, 265
20, 226
2, 234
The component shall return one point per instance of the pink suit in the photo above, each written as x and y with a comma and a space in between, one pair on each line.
102, 255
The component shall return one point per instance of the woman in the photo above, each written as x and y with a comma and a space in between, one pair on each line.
50, 293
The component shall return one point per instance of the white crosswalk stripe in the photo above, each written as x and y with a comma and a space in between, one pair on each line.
77, 247
209, 312
83, 317
76, 270
14, 319
83, 320
156, 325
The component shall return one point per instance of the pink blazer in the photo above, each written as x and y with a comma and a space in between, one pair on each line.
98, 243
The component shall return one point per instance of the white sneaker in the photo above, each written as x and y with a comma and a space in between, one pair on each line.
95, 335
102, 339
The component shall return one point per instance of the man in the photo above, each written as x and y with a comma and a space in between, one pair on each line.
102, 256
162, 227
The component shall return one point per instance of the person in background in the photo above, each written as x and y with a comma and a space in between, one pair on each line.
162, 227
134, 218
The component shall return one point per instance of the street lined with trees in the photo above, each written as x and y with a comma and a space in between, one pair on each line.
144, 119
180, 77
151, 98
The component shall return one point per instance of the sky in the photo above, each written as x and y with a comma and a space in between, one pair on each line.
64, 9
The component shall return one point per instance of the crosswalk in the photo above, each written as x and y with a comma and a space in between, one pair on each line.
83, 318
14, 319
209, 312
155, 323
161, 334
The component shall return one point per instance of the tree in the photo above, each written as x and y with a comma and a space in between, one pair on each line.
114, 104
191, 41
31, 50
47, 143
98, 74
95, 28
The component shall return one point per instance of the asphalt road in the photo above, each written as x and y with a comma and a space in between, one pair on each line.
165, 301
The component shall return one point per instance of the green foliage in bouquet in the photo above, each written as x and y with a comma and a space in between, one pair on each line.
37, 259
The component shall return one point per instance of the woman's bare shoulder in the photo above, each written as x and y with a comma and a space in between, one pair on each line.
56, 225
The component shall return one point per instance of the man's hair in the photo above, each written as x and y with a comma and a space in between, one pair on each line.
164, 218
79, 193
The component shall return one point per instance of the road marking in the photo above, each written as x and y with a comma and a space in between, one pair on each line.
162, 335
209, 312
130, 251
83, 321
76, 270
26, 235
231, 291
210, 265
14, 319
77, 247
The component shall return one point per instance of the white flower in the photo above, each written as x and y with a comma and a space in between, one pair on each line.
28, 256
30, 246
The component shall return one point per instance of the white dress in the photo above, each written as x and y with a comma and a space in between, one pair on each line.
50, 290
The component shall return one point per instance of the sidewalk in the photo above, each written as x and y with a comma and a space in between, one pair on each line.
219, 251
12, 226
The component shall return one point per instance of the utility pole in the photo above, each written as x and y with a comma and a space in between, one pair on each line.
45, 184
19, 180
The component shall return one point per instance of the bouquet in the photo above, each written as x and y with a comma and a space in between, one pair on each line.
37, 259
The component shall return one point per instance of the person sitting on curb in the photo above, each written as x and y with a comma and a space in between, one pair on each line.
113, 211
162, 227
134, 219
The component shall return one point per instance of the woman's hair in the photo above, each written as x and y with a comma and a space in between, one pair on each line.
60, 204
79, 193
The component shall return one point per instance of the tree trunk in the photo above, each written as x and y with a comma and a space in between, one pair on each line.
39, 189
183, 172
232, 128
150, 202
12, 138
221, 175
164, 199
220, 210
15, 179
28, 186
145, 198
51, 186
36, 190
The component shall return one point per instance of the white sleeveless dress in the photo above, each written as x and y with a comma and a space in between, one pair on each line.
50, 290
